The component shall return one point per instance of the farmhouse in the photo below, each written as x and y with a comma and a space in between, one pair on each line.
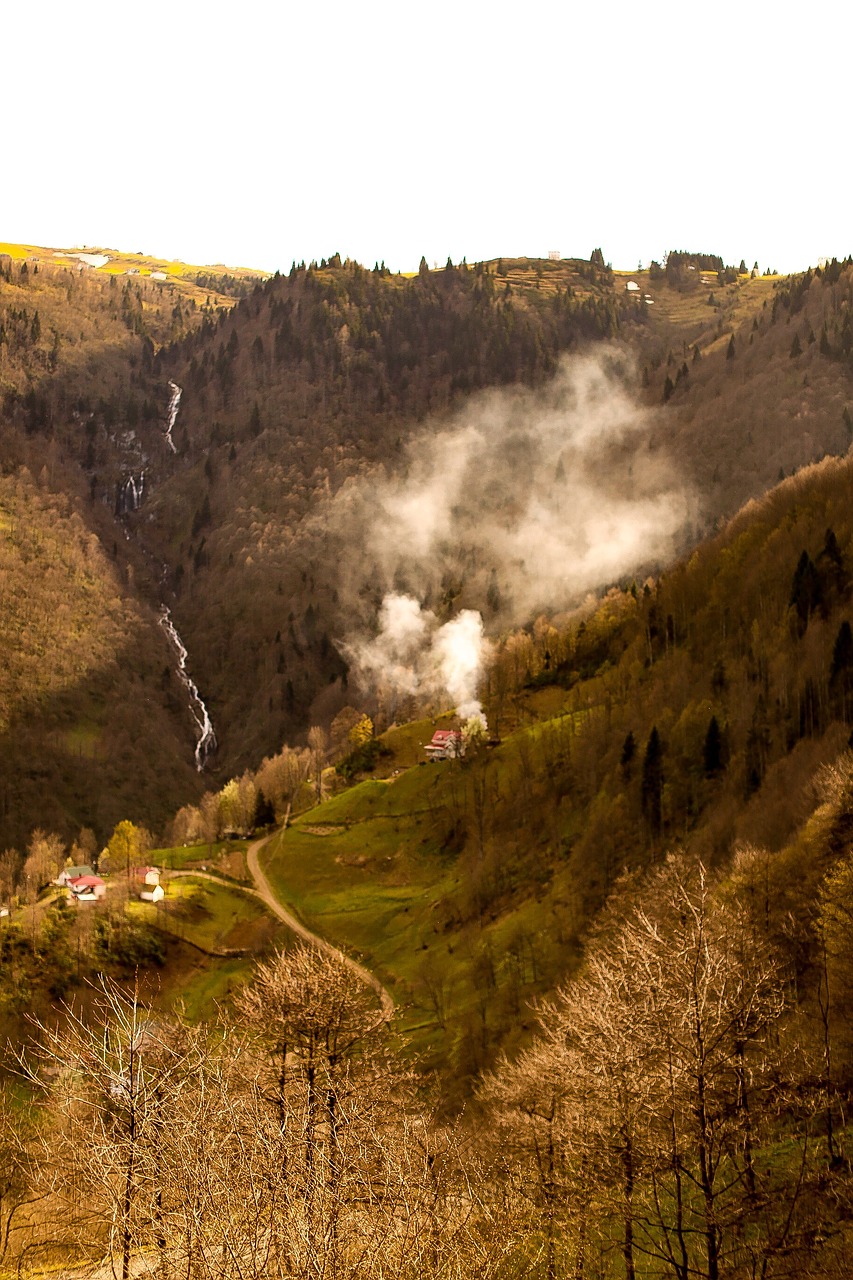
73, 873
87, 888
149, 876
446, 744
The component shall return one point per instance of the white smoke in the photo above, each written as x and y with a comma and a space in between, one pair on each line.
457, 661
526, 502
413, 655
395, 657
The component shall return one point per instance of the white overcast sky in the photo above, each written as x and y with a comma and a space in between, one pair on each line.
254, 133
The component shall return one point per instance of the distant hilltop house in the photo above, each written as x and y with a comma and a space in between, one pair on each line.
87, 888
446, 744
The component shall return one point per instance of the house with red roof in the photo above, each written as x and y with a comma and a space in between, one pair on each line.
87, 888
446, 744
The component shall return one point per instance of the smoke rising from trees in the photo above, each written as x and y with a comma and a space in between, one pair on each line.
525, 501
412, 655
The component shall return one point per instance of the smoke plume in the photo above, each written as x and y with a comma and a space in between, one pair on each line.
525, 502
412, 655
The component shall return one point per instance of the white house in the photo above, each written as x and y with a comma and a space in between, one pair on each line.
150, 876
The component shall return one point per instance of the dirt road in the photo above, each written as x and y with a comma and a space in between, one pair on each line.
265, 893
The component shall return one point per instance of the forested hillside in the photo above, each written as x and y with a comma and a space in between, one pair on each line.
328, 386
695, 711
615, 932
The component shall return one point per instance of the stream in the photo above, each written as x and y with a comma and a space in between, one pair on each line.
172, 413
206, 743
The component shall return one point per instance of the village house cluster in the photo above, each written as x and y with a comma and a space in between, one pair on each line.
84, 885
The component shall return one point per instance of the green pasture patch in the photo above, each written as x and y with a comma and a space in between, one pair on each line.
407, 742
211, 984
214, 916
224, 857
371, 885
415, 790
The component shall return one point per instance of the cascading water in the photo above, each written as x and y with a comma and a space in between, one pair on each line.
129, 494
206, 744
172, 413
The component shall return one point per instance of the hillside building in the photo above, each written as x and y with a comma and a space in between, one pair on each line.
87, 888
446, 744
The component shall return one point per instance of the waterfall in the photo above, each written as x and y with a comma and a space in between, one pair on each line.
172, 413
206, 744
129, 494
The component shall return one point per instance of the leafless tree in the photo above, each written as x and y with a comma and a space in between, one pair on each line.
18, 1175
111, 1084
318, 744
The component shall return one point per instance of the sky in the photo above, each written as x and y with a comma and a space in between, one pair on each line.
255, 134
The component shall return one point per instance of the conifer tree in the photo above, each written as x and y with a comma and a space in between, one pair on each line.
652, 784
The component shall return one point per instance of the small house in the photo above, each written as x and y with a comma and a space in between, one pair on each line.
87, 888
446, 744
149, 876
157, 894
73, 873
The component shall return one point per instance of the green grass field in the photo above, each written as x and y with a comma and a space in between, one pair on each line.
224, 857
212, 915
378, 870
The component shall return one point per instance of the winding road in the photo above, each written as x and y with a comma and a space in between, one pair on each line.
265, 893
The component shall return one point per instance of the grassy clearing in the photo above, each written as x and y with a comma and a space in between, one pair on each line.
224, 857
216, 917
207, 986
372, 884
737, 302
120, 261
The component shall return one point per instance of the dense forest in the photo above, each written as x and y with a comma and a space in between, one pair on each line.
333, 381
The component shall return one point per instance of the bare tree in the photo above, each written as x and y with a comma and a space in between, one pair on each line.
537, 1130
318, 744
656, 1075
110, 1082
18, 1175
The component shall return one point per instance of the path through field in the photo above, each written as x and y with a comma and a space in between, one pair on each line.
265, 893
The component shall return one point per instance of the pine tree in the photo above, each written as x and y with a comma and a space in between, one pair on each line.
712, 751
806, 591
652, 783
